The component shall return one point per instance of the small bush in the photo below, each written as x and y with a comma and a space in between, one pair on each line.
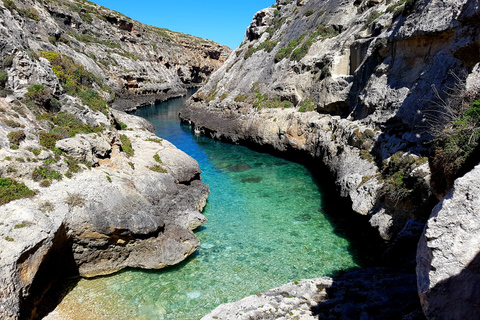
12, 190
10, 5
127, 146
307, 105
157, 140
38, 94
36, 152
240, 98
74, 200
48, 140
29, 14
156, 157
3, 78
45, 183
13, 123
309, 13
15, 137
400, 178
157, 168
45, 173
7, 61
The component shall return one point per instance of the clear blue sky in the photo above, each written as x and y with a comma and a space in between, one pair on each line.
223, 21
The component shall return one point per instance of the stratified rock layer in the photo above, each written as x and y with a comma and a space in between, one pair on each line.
141, 64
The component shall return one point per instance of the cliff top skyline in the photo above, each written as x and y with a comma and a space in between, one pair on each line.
226, 23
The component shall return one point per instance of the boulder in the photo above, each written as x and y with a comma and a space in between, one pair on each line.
448, 256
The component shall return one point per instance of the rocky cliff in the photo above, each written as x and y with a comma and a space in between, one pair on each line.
85, 189
140, 64
384, 93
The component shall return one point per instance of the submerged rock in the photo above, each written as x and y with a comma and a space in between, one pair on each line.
252, 179
239, 167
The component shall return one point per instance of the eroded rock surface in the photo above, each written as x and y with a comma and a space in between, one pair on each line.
449, 252
140, 64
115, 215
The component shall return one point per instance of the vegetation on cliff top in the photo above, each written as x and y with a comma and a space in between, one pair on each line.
77, 81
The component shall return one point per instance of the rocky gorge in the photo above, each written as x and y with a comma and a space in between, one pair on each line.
385, 94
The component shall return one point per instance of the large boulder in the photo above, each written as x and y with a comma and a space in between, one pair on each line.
448, 257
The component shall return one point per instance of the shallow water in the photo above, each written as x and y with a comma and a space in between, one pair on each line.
266, 227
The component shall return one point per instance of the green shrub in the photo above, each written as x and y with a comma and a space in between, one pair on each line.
10, 5
77, 81
29, 14
127, 146
38, 94
400, 179
3, 78
267, 45
455, 149
309, 13
45, 173
48, 140
15, 137
68, 125
7, 61
286, 52
36, 152
307, 105
240, 98
12, 190
121, 126
157, 140
157, 168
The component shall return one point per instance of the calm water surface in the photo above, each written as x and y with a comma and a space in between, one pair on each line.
266, 227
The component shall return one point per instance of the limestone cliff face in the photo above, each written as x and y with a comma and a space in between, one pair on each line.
350, 83
355, 84
140, 63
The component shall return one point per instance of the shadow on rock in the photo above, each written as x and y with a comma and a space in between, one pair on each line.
376, 294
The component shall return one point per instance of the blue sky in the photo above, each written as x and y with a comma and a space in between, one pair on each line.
223, 21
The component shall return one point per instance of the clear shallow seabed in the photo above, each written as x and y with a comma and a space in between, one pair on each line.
266, 227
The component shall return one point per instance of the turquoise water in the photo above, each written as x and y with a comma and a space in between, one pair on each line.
266, 227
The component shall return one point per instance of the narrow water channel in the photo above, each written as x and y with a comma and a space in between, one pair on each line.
267, 226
